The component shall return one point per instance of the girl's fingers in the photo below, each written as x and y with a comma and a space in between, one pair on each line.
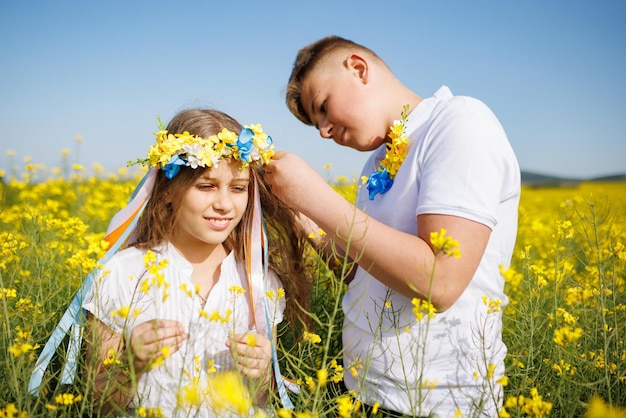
151, 337
159, 330
252, 373
252, 353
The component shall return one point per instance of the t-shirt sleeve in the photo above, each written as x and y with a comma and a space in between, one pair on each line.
464, 160
110, 298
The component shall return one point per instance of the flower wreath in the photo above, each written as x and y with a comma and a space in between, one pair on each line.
175, 150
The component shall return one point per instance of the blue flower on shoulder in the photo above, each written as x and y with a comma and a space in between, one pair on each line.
379, 182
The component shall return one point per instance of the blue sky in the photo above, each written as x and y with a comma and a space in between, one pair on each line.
553, 71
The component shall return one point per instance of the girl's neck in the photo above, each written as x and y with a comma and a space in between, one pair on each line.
206, 261
200, 253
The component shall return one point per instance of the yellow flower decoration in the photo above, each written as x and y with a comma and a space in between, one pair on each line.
381, 180
172, 151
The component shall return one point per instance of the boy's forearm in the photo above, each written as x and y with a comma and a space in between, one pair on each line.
401, 261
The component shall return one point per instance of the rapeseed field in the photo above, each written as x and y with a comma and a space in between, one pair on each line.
564, 325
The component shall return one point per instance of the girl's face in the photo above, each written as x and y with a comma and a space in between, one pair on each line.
213, 206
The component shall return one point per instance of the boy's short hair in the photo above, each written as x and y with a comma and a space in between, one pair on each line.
306, 60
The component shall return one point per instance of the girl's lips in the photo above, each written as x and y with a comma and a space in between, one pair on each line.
218, 223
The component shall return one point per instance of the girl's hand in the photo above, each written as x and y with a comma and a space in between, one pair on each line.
253, 354
154, 338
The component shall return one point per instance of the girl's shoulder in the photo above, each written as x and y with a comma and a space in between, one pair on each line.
128, 254
131, 258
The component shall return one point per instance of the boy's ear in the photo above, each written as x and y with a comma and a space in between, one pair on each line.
358, 66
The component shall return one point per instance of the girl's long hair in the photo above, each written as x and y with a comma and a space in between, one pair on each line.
287, 240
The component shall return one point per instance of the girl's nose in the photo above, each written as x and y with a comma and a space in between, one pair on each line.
223, 201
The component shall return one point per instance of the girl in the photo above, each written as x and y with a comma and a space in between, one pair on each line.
185, 301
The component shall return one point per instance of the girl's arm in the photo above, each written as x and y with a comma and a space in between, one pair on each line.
117, 368
107, 367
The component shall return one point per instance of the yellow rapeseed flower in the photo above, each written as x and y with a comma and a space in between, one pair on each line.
251, 339
228, 392
11, 411
162, 355
599, 409
217, 317
144, 412
67, 399
322, 377
190, 395
566, 335
423, 308
284, 413
444, 244
111, 358
8, 293
311, 337
337, 369
344, 406
236, 290
121, 312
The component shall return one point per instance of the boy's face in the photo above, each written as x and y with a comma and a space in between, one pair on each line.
339, 101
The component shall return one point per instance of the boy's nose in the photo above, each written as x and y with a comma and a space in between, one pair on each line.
326, 130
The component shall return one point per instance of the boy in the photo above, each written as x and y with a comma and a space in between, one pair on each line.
423, 327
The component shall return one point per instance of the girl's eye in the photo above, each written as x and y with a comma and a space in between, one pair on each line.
323, 108
240, 189
205, 186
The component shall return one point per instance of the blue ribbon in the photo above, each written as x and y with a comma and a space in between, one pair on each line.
378, 183
280, 380
73, 319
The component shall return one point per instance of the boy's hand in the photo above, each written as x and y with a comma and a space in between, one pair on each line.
148, 341
295, 182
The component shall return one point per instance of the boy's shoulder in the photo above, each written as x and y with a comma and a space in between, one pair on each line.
450, 104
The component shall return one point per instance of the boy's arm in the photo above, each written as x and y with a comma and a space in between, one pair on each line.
401, 261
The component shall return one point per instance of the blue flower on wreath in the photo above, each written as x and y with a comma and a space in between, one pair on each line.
173, 166
244, 144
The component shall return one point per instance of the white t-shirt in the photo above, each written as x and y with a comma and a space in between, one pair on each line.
124, 282
459, 163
